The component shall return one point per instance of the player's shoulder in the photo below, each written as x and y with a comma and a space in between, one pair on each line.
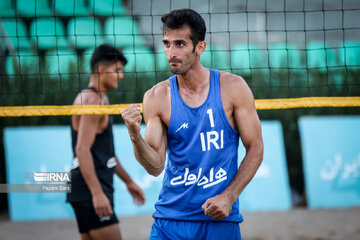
235, 90
232, 81
87, 97
158, 91
157, 99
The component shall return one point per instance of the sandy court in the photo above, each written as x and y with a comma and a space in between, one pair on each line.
297, 224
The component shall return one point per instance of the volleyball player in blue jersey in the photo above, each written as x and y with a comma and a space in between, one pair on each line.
196, 117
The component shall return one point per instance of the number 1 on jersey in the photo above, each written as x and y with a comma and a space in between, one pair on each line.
211, 117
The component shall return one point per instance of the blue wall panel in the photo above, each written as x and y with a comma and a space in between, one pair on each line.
40, 149
269, 189
331, 158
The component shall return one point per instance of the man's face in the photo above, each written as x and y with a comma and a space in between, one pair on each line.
110, 74
179, 49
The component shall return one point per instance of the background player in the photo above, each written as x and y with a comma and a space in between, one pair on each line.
95, 161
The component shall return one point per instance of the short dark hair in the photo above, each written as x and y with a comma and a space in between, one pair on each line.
180, 17
106, 54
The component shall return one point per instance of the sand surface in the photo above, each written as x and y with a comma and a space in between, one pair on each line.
297, 224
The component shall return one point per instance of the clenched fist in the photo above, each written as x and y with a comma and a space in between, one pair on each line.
132, 118
217, 207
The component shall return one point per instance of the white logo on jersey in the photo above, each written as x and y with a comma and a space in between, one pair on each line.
185, 125
190, 179
105, 218
75, 163
111, 162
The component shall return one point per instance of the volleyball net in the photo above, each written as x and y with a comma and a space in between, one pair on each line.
293, 54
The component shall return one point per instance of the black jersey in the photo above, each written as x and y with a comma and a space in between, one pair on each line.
103, 155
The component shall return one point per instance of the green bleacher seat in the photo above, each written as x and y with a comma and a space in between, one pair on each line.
251, 63
240, 59
12, 81
7, 8
162, 66
349, 54
245, 57
284, 56
205, 57
107, 7
323, 66
123, 32
33, 8
48, 33
85, 32
23, 63
140, 60
220, 57
16, 32
11, 62
85, 61
320, 56
75, 8
162, 63
215, 57
286, 65
61, 63
60, 71
349, 60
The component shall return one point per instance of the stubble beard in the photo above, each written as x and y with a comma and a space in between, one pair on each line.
182, 69
176, 70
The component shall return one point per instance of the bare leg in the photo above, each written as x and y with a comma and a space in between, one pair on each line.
111, 232
85, 236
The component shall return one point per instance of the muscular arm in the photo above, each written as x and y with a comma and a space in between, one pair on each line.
248, 124
249, 129
151, 151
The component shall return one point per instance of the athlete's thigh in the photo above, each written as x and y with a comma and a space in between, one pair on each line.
111, 232
85, 236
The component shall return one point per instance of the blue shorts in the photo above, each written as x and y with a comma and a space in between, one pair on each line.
164, 229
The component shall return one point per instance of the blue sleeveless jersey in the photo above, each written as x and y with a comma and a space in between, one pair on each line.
202, 157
